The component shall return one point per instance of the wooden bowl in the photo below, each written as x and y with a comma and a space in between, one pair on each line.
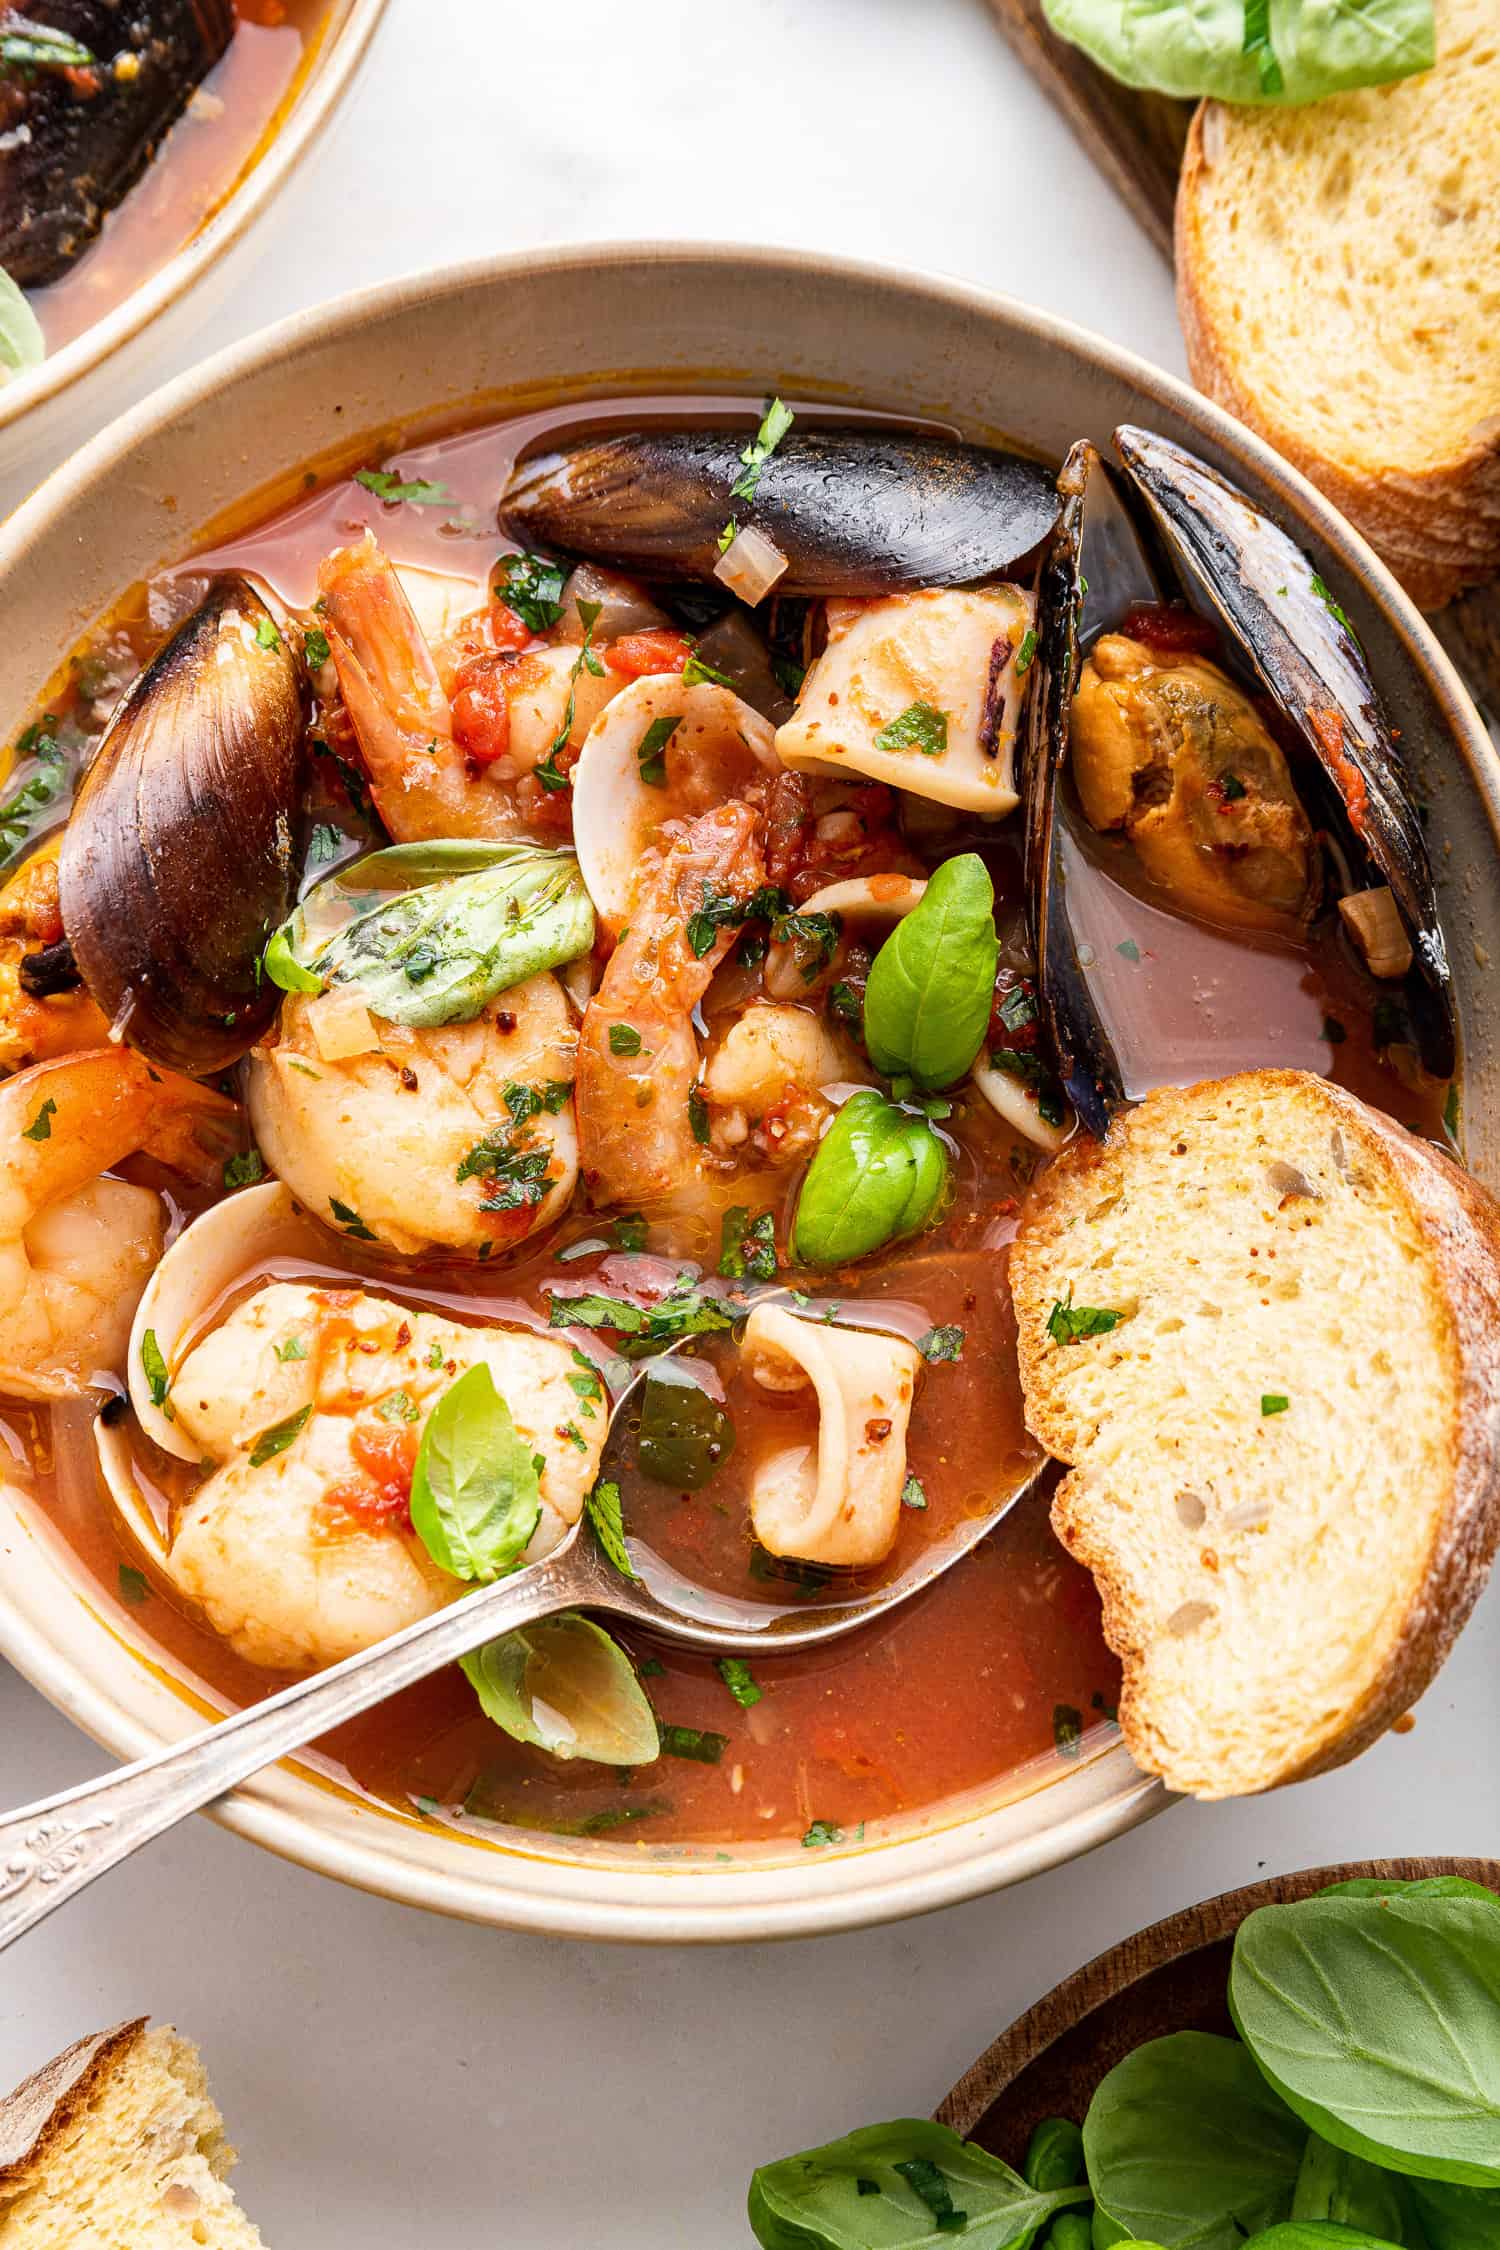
1172, 1977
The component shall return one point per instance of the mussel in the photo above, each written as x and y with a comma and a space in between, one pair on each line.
855, 511
84, 100
1166, 526
179, 859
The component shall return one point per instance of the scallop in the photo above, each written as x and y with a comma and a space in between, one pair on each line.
658, 751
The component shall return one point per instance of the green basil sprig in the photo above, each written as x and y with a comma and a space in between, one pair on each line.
1378, 2021
564, 1685
436, 951
932, 985
879, 1173
475, 1494
1347, 2191
903, 2184
1247, 51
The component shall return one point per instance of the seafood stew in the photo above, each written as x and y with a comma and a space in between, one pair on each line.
121, 132
530, 968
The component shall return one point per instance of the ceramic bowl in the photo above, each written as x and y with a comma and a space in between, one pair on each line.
25, 421
498, 337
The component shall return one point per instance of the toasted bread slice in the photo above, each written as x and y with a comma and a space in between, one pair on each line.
116, 2145
1283, 1449
1338, 283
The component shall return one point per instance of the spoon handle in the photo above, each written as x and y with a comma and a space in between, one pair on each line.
52, 1849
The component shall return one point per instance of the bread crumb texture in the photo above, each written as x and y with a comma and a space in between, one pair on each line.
118, 2146
1283, 1452
1339, 284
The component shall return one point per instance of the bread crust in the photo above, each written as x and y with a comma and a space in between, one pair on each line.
39, 2114
1460, 1225
1437, 529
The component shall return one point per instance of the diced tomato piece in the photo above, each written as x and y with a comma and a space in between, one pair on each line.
481, 708
388, 1457
507, 630
1170, 629
638, 655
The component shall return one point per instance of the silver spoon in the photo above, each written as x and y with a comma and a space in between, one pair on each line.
52, 1849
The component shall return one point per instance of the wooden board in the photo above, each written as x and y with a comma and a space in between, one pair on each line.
1136, 139
1172, 1977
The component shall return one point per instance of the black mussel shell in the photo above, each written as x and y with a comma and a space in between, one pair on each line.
1262, 588
180, 855
1081, 1052
74, 141
855, 512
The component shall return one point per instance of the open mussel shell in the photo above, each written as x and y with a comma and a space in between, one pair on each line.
855, 512
179, 859
1082, 1054
76, 136
1260, 587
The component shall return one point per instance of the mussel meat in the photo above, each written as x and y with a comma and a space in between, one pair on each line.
1166, 528
84, 99
180, 857
855, 512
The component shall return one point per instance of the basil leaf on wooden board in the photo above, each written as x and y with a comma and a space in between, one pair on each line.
475, 1498
878, 1174
1348, 2191
436, 952
564, 1685
859, 2192
22, 344
932, 984
1378, 2020
1187, 2145
1244, 51
1420, 1886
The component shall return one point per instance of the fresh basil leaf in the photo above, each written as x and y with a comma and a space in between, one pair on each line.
22, 344
878, 1174
607, 1516
1347, 2191
932, 984
740, 1681
1054, 2154
1188, 2146
475, 1499
1317, 2234
1242, 51
533, 588
278, 1437
1419, 1886
438, 953
1453, 2217
420, 492
887, 2185
564, 1685
685, 1435
1378, 2021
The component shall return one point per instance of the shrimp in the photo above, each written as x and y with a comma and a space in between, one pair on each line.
44, 1010
76, 1248
637, 1050
306, 1554
441, 763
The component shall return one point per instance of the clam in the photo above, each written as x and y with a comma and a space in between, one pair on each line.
180, 857
84, 101
855, 511
1171, 527
658, 750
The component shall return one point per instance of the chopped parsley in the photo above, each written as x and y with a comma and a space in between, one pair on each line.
788, 676
1067, 1729
1018, 1007
350, 1221
40, 1128
919, 727
941, 1343
705, 1748
928, 2183
154, 1368
650, 751
1068, 1323
293, 1348
323, 844
1232, 787
774, 424
574, 1435
1128, 949
697, 1109
549, 773
630, 1232
814, 937
846, 1006
435, 1355
687, 1309
533, 588
624, 1039
526, 1102
695, 673
398, 1406
607, 1517
1319, 586
912, 1494
822, 1832
133, 1586
417, 490
1273, 1402
740, 1681
278, 1437
1026, 652
315, 648
747, 1247
721, 910
244, 1170
42, 788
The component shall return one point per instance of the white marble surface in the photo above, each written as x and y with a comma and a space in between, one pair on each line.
391, 2078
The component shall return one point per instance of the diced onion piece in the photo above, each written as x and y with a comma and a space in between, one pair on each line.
624, 607
1375, 920
1017, 1105
750, 565
341, 1024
